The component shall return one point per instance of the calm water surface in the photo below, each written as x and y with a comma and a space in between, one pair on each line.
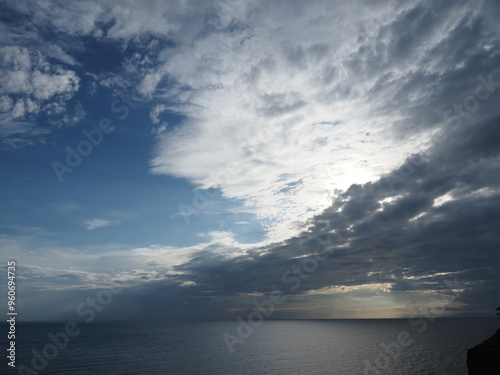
277, 347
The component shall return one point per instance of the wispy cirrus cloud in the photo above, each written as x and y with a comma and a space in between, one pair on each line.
98, 223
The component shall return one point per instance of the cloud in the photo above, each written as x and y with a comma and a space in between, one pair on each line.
98, 223
115, 19
298, 109
28, 74
155, 113
6, 103
394, 249
397, 248
29, 87
40, 75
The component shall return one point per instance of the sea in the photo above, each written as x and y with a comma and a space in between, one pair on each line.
277, 347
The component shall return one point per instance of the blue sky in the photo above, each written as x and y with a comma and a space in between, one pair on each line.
85, 205
230, 138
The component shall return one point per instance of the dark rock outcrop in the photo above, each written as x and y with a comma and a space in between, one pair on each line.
484, 359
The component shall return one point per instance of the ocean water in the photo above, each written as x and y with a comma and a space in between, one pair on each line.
317, 347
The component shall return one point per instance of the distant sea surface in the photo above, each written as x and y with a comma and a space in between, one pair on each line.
320, 347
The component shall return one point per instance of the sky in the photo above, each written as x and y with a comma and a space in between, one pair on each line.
202, 157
